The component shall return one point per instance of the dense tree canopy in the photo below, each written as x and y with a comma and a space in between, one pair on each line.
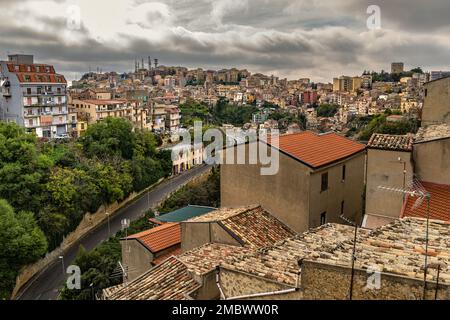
100, 266
21, 242
57, 183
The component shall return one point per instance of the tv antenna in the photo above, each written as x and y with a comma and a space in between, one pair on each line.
354, 224
416, 189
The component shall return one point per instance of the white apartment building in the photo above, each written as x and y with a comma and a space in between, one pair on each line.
33, 96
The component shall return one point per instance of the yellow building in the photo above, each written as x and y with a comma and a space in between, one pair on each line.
92, 111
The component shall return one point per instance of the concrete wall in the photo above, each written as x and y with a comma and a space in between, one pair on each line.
136, 257
209, 289
236, 284
294, 194
436, 107
196, 234
432, 161
349, 190
385, 169
285, 195
322, 281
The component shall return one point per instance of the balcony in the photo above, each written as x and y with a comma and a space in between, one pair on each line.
47, 104
43, 93
7, 93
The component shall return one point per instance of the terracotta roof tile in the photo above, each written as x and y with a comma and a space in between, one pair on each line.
317, 150
396, 248
257, 228
252, 225
170, 280
432, 132
173, 278
206, 258
163, 257
391, 142
160, 237
439, 203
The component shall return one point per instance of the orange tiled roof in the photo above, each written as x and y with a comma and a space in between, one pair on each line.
160, 237
316, 150
439, 203
36, 73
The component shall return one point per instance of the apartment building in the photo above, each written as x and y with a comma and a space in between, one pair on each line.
93, 111
347, 84
34, 96
172, 118
186, 157
320, 178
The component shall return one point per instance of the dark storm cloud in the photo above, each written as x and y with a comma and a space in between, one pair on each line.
320, 39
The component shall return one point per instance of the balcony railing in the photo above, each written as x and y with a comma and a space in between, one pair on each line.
46, 104
43, 93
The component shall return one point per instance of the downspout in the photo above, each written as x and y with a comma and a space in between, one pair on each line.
271, 293
222, 294
255, 295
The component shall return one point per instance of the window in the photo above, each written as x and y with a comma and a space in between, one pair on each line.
28, 90
324, 185
39, 90
343, 172
323, 218
342, 207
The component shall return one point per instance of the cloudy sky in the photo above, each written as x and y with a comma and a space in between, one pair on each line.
319, 39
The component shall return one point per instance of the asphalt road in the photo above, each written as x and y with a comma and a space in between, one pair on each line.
45, 285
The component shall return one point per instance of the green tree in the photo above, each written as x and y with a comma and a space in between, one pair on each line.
21, 242
327, 110
110, 137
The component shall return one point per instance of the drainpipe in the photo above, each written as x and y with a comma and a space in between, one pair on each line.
222, 294
256, 295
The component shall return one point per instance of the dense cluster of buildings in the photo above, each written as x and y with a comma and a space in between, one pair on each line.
306, 232
339, 220
150, 97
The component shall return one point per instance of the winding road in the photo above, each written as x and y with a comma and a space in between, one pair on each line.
45, 285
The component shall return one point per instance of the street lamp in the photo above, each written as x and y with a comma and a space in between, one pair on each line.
62, 262
92, 290
109, 226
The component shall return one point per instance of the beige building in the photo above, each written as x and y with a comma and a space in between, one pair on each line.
409, 163
436, 107
192, 274
432, 154
186, 157
320, 178
317, 265
144, 250
389, 164
347, 84
172, 118
93, 111
159, 115
243, 226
